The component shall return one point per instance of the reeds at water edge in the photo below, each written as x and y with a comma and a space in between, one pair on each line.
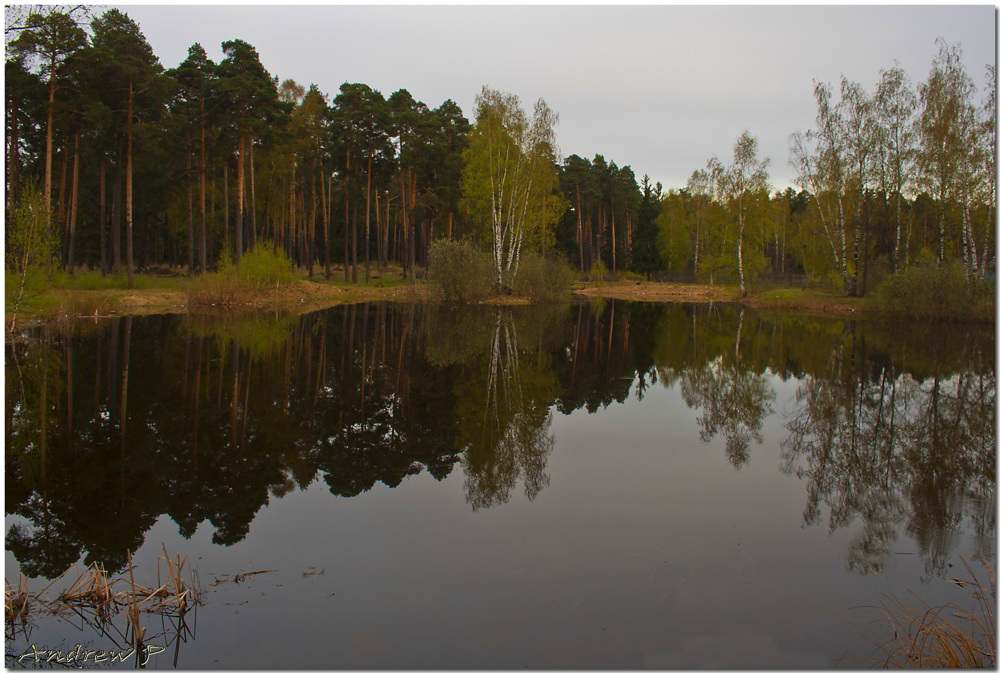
943, 636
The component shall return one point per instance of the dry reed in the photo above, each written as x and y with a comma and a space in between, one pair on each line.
945, 636
16, 602
93, 590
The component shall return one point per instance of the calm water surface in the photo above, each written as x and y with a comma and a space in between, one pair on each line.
596, 485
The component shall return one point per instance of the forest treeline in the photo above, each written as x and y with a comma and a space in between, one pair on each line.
139, 165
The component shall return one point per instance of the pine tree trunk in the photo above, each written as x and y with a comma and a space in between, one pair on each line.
413, 233
368, 210
312, 225
378, 233
102, 224
190, 214
354, 244
116, 218
48, 141
346, 229
202, 231
128, 197
347, 186
252, 198
240, 168
614, 240
226, 243
74, 199
61, 214
326, 187
406, 228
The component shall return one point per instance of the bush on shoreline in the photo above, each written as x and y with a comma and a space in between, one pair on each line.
935, 292
542, 279
265, 267
461, 273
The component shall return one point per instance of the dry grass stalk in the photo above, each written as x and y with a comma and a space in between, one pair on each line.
946, 636
16, 602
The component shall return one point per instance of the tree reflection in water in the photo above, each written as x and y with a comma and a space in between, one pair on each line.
113, 423
735, 400
897, 448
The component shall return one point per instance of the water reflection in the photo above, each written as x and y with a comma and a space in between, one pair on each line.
115, 422
894, 447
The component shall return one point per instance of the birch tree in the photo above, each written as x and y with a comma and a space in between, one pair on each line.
510, 171
894, 104
945, 99
738, 184
987, 147
860, 136
822, 173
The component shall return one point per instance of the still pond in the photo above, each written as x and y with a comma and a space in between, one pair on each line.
591, 485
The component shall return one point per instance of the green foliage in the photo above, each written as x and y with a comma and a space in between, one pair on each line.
598, 272
459, 272
266, 267
510, 186
935, 292
260, 334
674, 236
542, 279
32, 247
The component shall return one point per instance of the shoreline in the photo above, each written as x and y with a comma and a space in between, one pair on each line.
307, 295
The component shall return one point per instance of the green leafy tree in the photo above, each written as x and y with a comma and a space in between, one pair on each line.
674, 224
895, 103
31, 248
509, 175
822, 172
944, 127
740, 184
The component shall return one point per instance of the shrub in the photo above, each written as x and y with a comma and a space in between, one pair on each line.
459, 272
542, 279
265, 267
598, 271
32, 249
935, 292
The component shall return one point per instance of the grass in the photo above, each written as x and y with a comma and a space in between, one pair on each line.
808, 299
945, 636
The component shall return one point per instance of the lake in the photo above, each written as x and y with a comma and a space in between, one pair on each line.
599, 484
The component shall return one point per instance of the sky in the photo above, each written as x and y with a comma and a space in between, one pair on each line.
658, 88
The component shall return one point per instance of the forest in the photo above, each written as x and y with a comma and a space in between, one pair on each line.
137, 166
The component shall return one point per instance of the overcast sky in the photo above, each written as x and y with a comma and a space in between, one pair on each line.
659, 88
